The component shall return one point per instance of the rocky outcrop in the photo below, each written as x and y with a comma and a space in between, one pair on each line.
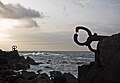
70, 78
30, 61
11, 62
16, 61
107, 63
58, 77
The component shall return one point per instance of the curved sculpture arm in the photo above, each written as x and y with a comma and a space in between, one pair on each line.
76, 40
89, 40
76, 35
83, 28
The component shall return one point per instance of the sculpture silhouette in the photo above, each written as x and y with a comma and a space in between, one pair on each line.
90, 39
14, 47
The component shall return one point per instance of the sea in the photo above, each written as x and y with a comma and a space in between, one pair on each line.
64, 61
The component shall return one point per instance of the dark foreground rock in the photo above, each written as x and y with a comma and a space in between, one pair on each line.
16, 61
107, 63
11, 62
70, 78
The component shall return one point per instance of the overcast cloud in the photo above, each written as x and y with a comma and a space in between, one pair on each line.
18, 12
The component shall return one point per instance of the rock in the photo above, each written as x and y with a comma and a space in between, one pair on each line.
39, 71
60, 79
30, 60
20, 80
14, 55
109, 47
107, 63
28, 75
79, 62
70, 78
55, 73
48, 67
49, 62
40, 63
83, 70
20, 65
3, 61
43, 78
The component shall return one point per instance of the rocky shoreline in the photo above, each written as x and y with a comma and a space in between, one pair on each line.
11, 62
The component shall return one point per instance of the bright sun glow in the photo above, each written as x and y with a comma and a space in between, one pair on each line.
2, 35
6, 24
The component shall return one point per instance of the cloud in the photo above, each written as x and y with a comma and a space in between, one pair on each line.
82, 3
77, 2
18, 12
26, 23
103, 28
111, 28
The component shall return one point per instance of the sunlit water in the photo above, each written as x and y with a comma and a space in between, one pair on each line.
66, 61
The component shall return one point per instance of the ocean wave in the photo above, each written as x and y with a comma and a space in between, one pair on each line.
59, 61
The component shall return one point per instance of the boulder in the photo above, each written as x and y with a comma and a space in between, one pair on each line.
28, 75
107, 63
30, 61
39, 71
43, 78
60, 79
55, 73
3, 61
70, 78
20, 65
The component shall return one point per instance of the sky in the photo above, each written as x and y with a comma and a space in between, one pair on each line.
49, 25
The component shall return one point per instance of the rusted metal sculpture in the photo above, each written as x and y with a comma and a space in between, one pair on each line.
90, 39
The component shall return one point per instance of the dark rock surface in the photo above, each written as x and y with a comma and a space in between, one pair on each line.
11, 62
30, 61
107, 63
60, 79
70, 78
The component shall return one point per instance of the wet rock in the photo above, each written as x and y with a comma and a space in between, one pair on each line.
48, 67
49, 62
13, 55
70, 78
3, 61
43, 78
28, 75
20, 65
55, 73
40, 63
30, 61
79, 62
20, 80
39, 71
60, 79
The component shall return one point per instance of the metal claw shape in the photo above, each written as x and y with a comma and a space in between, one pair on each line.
89, 40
